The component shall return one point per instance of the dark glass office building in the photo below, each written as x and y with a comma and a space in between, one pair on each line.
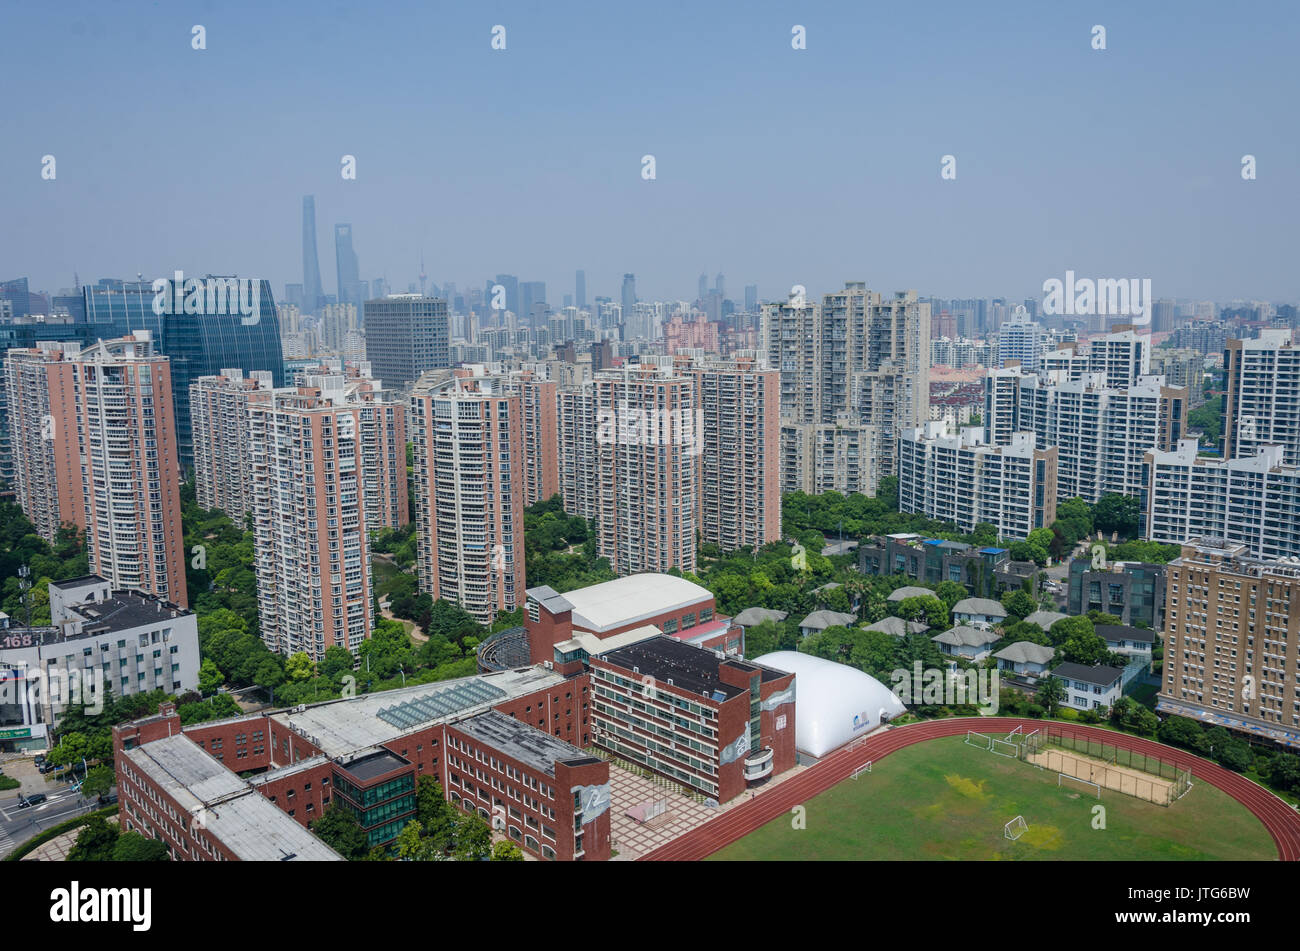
198, 344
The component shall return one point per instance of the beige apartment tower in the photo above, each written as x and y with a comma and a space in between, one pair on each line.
469, 491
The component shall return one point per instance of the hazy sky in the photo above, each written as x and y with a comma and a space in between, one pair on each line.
774, 166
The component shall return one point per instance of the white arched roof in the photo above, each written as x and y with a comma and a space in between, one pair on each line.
834, 703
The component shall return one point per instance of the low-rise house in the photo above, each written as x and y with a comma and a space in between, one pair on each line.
898, 627
910, 591
1025, 658
818, 621
1045, 619
978, 612
969, 642
1130, 641
1088, 688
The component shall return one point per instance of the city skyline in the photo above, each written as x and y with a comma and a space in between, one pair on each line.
1042, 126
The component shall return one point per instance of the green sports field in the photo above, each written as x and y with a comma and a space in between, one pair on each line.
944, 799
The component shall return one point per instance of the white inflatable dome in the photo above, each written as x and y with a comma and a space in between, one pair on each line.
834, 703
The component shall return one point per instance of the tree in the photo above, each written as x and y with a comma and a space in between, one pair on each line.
340, 830
299, 666
94, 842
1116, 513
1050, 693
412, 846
505, 851
925, 608
210, 676
99, 780
761, 639
131, 846
1018, 604
473, 838
950, 592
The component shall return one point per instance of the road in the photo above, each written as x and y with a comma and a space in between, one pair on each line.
18, 825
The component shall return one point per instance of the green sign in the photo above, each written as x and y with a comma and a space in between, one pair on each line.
24, 734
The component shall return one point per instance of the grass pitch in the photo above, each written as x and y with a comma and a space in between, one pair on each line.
943, 799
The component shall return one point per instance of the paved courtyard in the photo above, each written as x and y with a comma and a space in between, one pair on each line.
632, 839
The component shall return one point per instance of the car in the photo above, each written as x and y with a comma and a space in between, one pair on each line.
35, 799
108, 800
39, 761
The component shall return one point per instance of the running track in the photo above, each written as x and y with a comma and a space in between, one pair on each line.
1282, 822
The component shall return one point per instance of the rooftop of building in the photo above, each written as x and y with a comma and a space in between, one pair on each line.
963, 636
1026, 652
627, 600
226, 807
523, 743
372, 765
340, 728
752, 616
1122, 632
695, 669
1099, 676
986, 606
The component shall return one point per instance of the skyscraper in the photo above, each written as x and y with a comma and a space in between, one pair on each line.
201, 344
1020, 341
469, 492
352, 290
629, 296
407, 334
580, 289
532, 304
702, 291
751, 298
313, 294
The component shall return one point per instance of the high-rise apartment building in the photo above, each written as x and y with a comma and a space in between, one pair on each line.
957, 477
1120, 357
538, 403
223, 464
1249, 501
1102, 433
1020, 342
738, 408
1232, 640
575, 427
856, 353
312, 555
829, 457
469, 491
406, 336
130, 475
1262, 406
647, 442
42, 418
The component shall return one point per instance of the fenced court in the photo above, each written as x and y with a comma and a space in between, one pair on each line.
1108, 767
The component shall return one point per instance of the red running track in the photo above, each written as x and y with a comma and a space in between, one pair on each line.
1282, 821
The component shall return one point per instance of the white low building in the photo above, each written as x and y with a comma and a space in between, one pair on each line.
834, 703
126, 641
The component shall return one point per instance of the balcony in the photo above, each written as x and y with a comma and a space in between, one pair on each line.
759, 765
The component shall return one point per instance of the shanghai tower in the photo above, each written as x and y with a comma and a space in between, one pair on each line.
313, 295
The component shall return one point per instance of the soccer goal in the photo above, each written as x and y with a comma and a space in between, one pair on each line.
982, 740
865, 768
1004, 745
1095, 788
1015, 828
1016, 731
